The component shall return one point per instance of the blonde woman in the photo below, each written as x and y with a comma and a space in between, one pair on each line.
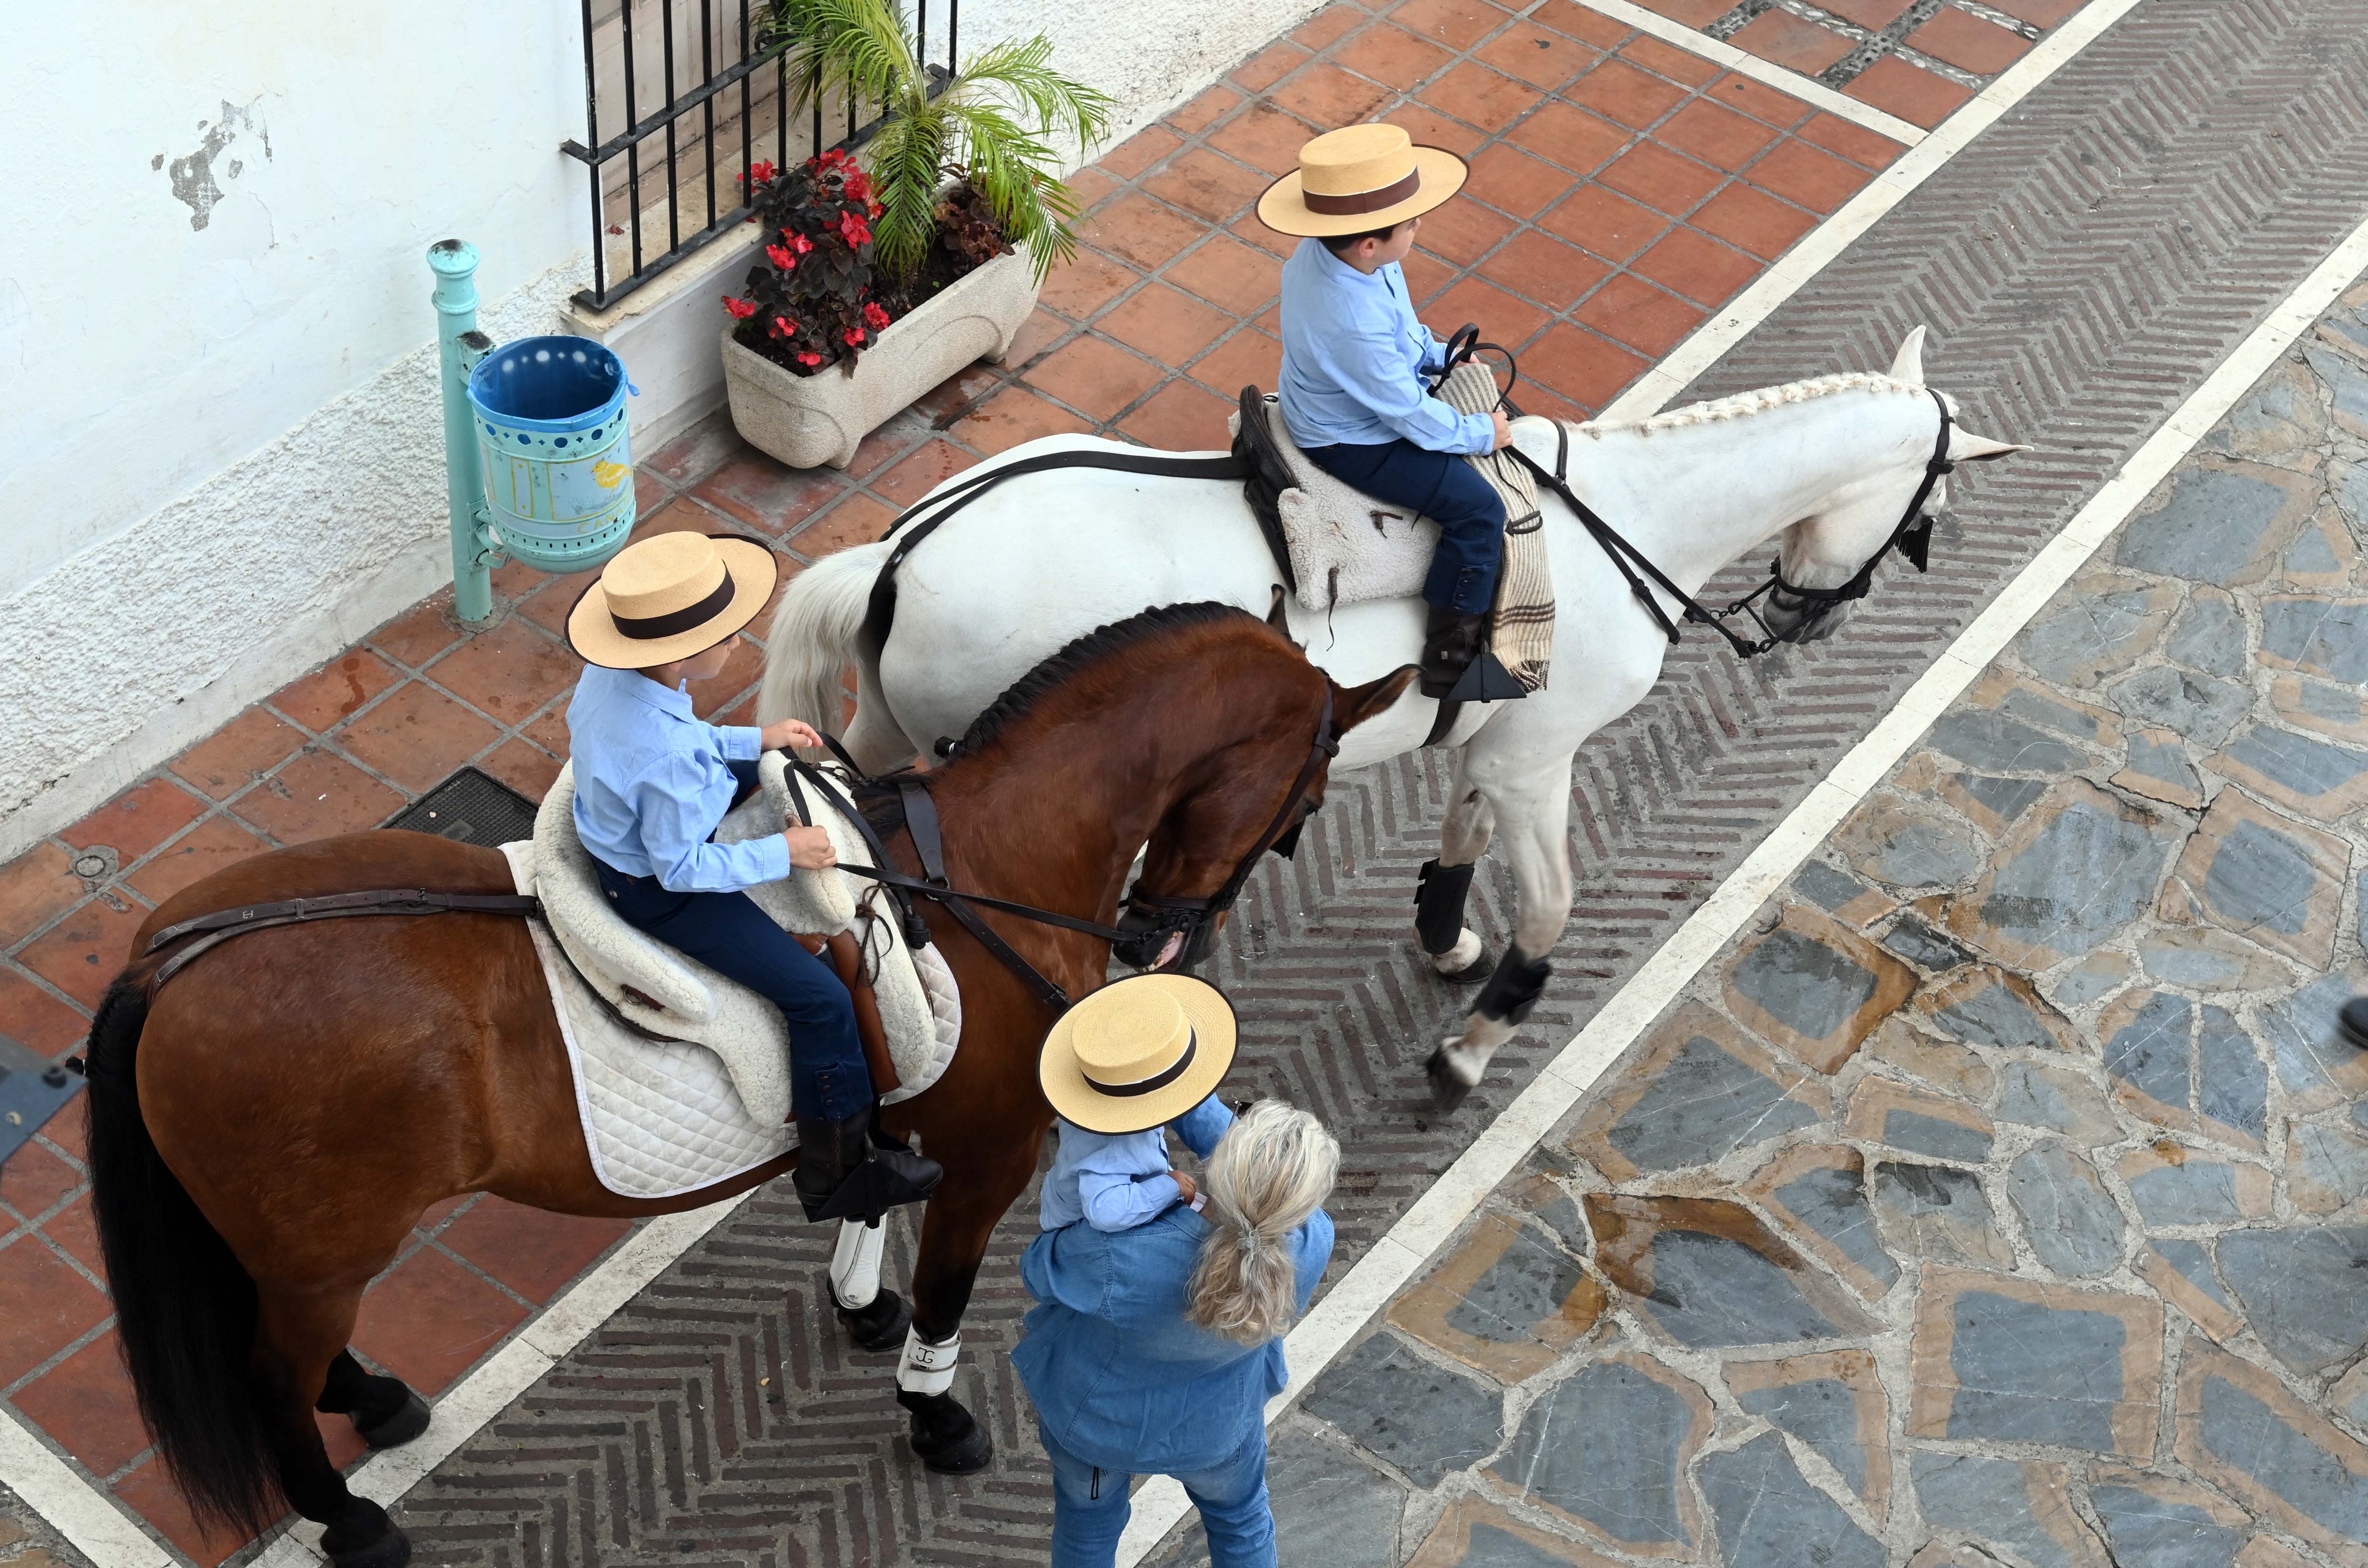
1155, 1349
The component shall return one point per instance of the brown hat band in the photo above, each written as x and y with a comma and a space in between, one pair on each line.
1157, 1081
1362, 201
651, 628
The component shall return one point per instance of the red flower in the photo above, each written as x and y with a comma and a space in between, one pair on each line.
858, 186
780, 257
853, 229
834, 158
854, 337
784, 327
801, 244
740, 308
809, 358
877, 208
759, 172
873, 316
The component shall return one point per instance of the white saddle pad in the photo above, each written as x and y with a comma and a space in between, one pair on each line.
712, 1098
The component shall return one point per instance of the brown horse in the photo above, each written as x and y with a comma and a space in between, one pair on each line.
267, 1128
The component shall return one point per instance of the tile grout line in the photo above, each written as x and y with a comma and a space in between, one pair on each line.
1809, 89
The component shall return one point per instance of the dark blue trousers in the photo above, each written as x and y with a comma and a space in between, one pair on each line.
729, 934
1448, 491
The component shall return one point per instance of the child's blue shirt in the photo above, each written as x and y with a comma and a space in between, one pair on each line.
1115, 1181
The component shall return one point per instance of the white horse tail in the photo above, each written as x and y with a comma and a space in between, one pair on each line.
815, 638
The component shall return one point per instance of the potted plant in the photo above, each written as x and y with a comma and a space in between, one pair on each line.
877, 284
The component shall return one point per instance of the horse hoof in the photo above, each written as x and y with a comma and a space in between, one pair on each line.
946, 1437
1473, 973
407, 1421
879, 1326
367, 1541
1447, 1088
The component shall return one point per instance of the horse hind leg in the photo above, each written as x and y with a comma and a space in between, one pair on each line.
300, 1339
384, 1411
1442, 885
1536, 813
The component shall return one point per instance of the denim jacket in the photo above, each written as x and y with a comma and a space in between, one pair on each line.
1118, 1376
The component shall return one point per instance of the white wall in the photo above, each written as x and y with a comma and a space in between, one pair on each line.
224, 441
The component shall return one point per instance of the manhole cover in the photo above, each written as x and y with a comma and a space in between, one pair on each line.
472, 806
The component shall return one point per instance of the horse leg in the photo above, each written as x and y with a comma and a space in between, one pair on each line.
298, 1339
1534, 807
954, 1234
383, 1410
1441, 886
874, 1318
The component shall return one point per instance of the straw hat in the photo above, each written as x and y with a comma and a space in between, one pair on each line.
1359, 177
1138, 1053
668, 596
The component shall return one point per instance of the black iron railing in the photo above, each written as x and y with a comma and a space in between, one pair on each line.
689, 98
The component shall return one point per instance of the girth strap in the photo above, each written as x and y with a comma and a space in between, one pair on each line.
211, 930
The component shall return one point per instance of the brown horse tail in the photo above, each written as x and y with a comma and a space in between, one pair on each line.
185, 1309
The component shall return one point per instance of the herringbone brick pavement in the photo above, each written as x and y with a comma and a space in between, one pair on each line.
2082, 267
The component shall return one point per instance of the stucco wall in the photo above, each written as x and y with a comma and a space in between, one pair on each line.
216, 350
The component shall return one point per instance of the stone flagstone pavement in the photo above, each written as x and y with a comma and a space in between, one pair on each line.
2001, 1196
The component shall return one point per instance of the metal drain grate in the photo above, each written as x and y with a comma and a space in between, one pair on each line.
472, 806
31, 1091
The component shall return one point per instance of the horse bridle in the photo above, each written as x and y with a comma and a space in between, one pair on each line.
1912, 538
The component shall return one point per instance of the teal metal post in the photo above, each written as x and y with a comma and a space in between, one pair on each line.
459, 347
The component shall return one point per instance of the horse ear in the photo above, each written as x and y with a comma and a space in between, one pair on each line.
1908, 365
1964, 447
1354, 704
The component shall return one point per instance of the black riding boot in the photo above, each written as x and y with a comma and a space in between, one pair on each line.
1450, 642
846, 1171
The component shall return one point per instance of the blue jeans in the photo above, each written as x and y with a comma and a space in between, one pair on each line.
729, 934
1090, 1507
1448, 491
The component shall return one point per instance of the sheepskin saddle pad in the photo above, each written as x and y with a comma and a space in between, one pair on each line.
708, 1098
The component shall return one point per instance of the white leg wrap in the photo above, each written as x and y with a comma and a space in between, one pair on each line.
855, 1263
1468, 1056
926, 1368
1462, 956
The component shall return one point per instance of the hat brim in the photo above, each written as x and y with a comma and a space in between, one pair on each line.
1284, 206
1215, 1036
592, 631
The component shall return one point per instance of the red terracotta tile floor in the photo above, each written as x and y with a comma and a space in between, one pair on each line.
1622, 190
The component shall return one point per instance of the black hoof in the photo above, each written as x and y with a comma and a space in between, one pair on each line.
366, 1537
879, 1326
1473, 973
1447, 1089
946, 1437
405, 1422
2352, 1023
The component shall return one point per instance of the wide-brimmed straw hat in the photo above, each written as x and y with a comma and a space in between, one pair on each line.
1359, 177
668, 596
1138, 1053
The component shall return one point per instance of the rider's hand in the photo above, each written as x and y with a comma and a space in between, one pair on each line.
1184, 1183
789, 732
810, 848
1503, 430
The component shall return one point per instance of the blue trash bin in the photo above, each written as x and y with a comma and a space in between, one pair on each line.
559, 467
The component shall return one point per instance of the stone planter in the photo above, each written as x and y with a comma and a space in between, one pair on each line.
806, 421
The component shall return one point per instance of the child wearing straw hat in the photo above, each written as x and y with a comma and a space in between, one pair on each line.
1354, 357
1123, 1065
654, 781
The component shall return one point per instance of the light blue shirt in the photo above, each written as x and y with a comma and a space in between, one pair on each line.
1354, 357
1114, 1181
651, 784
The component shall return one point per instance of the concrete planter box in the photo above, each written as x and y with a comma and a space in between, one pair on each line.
806, 421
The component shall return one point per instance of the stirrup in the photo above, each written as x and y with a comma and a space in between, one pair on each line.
1485, 679
887, 1180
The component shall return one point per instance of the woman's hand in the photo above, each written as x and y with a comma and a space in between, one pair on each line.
810, 847
789, 732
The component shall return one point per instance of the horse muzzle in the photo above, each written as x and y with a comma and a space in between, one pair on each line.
1164, 938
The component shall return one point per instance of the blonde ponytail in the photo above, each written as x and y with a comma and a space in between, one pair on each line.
1268, 1173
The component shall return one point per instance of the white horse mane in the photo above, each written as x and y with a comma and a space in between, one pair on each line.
1750, 402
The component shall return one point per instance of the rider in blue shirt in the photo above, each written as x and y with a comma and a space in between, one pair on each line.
654, 781
1355, 360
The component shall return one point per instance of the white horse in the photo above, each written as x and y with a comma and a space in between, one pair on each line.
1827, 466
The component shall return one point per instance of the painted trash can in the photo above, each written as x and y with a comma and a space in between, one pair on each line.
559, 467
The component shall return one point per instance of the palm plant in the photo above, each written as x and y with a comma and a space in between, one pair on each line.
989, 125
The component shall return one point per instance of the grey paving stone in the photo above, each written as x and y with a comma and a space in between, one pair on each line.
1921, 1134
2232, 1086
2152, 1052
1767, 1513
1523, 1287
2032, 1096
1804, 983
1992, 739
2027, 1372
2158, 1534
1922, 853
1920, 944
1420, 1417
2244, 1432
2326, 637
1937, 1211
2301, 1290
1702, 1105
2196, 1191
1995, 1015
2311, 555
1822, 1412
2083, 877
1609, 1445
2100, 977
2300, 1035
2072, 1224
1989, 1499
2166, 763
2008, 798
2262, 877
2024, 702
1832, 1201
2351, 388
1493, 1548
2351, 492
2086, 631
1826, 887
2306, 766
2331, 1162
2211, 528
2204, 960
1708, 1291
2195, 1263
2209, 635
2198, 707
1331, 1510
